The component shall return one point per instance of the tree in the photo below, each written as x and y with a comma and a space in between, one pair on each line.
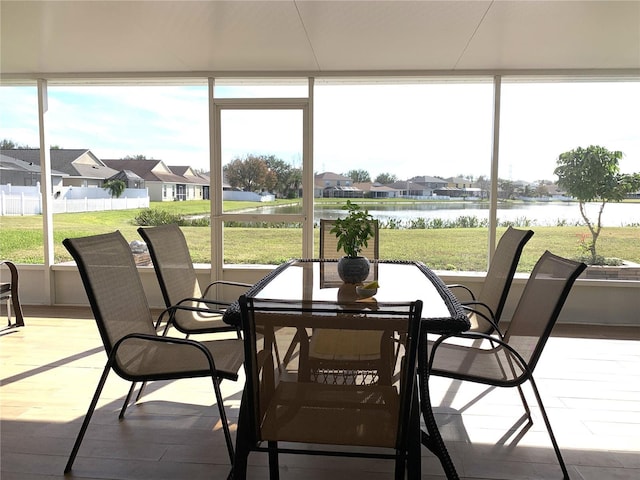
250, 174
507, 187
295, 181
8, 144
484, 184
288, 178
592, 174
115, 187
135, 157
386, 178
542, 190
358, 176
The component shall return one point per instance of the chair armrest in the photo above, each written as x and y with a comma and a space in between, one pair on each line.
165, 340
206, 301
170, 311
225, 282
490, 318
494, 341
154, 338
463, 287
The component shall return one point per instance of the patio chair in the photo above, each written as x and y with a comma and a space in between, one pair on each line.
485, 310
329, 242
509, 360
179, 284
135, 351
281, 404
9, 292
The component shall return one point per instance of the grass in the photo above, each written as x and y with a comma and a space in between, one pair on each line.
464, 249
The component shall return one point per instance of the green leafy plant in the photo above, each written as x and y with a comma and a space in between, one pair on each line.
592, 174
354, 231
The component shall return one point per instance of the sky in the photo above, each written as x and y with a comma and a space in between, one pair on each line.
406, 130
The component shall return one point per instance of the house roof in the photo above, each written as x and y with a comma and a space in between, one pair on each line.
9, 163
126, 175
406, 185
331, 176
73, 162
375, 187
150, 170
427, 179
188, 173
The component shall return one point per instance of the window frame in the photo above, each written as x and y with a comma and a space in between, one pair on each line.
218, 216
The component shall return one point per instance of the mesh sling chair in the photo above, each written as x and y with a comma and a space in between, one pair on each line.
179, 284
509, 360
328, 250
9, 292
135, 350
485, 310
329, 242
281, 404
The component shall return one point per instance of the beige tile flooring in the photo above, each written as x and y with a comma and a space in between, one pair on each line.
589, 378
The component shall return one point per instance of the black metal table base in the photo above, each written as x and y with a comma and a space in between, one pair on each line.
432, 438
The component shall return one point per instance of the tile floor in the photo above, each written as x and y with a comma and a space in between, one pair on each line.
589, 378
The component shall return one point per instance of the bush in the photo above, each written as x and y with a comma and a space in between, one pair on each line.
151, 217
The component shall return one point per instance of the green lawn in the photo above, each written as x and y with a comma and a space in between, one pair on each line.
451, 249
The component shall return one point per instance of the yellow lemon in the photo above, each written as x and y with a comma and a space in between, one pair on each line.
371, 286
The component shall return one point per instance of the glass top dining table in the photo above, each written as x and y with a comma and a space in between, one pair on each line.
302, 280
399, 281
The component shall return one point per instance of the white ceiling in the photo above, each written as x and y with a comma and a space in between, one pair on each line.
315, 37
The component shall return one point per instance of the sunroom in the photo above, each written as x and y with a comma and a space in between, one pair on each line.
493, 91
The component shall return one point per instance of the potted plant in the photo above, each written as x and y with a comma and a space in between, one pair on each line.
353, 233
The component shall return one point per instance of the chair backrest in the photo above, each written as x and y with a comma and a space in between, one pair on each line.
171, 259
502, 268
113, 286
288, 404
540, 304
329, 242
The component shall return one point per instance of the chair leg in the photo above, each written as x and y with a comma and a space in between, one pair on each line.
525, 404
139, 396
223, 417
401, 464
415, 445
274, 466
126, 401
87, 417
239, 470
549, 429
17, 310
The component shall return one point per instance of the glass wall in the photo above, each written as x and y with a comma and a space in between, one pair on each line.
420, 152
139, 133
542, 119
19, 178
416, 153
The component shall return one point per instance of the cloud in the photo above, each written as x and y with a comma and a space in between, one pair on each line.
440, 129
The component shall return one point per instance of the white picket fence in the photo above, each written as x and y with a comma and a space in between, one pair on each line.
30, 203
247, 196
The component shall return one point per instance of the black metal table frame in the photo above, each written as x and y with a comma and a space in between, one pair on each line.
457, 322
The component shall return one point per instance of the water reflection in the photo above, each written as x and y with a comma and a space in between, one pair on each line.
538, 214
